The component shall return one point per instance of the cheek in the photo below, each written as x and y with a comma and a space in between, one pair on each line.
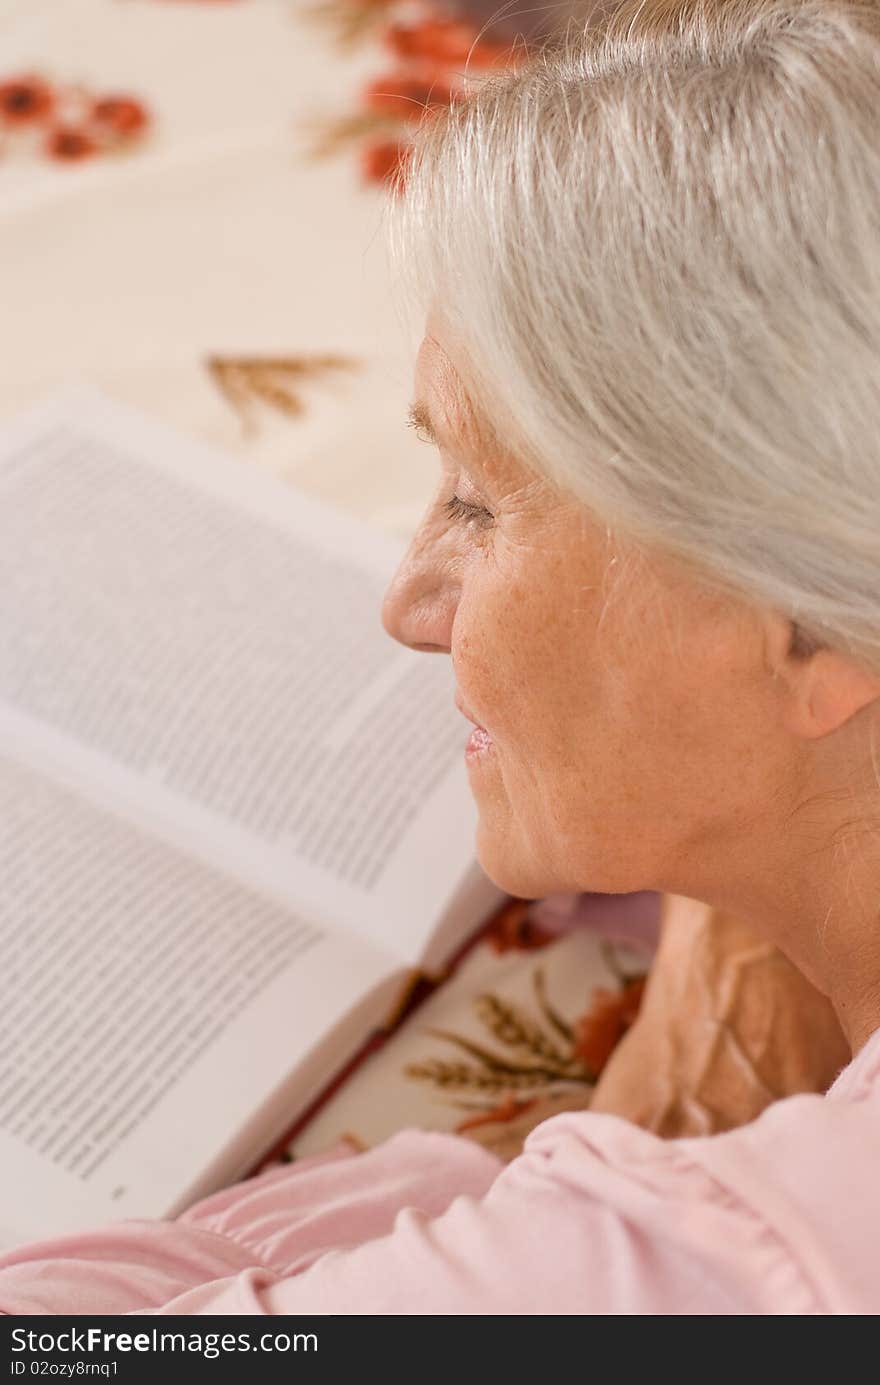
487, 656
523, 657
583, 679
588, 715
683, 733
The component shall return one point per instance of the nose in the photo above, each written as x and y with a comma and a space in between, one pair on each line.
421, 600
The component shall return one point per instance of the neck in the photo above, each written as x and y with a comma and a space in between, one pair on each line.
858, 1014
833, 932
821, 907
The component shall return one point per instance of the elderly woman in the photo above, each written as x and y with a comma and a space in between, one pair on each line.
651, 259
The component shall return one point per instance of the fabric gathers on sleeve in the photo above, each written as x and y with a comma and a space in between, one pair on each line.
595, 1217
274, 1224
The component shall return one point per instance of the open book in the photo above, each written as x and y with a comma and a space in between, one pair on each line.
234, 813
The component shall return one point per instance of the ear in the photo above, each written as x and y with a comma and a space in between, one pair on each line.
821, 687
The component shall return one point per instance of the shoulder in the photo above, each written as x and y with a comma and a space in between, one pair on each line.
791, 1197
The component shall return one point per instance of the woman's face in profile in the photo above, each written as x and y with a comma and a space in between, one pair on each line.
634, 732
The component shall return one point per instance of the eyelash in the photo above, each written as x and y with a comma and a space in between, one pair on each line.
457, 508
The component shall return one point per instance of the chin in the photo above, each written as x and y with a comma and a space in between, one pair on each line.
510, 866
511, 872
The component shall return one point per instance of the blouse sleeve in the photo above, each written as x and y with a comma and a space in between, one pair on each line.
276, 1224
595, 1217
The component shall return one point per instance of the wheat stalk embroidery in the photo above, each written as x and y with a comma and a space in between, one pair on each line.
245, 381
543, 1052
540, 1053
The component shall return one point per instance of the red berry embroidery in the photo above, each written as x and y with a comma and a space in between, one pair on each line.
25, 100
119, 115
69, 144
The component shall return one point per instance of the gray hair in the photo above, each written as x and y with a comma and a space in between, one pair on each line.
659, 238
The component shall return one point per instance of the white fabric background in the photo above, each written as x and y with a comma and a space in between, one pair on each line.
218, 235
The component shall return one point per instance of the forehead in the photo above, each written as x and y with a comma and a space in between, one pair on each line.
462, 428
445, 407
441, 396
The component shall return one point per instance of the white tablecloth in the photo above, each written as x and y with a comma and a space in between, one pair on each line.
218, 234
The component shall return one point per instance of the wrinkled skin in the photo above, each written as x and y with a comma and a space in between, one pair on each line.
649, 733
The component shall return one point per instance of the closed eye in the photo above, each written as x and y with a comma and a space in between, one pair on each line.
460, 509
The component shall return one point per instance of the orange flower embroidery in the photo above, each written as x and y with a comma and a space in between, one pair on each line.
436, 53
386, 162
450, 41
513, 931
611, 1013
407, 95
506, 1110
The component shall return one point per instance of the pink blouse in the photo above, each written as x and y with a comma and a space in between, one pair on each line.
595, 1216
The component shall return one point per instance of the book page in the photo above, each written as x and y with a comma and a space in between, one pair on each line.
159, 1023
207, 643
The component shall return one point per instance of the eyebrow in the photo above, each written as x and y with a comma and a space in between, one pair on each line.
479, 429
419, 417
